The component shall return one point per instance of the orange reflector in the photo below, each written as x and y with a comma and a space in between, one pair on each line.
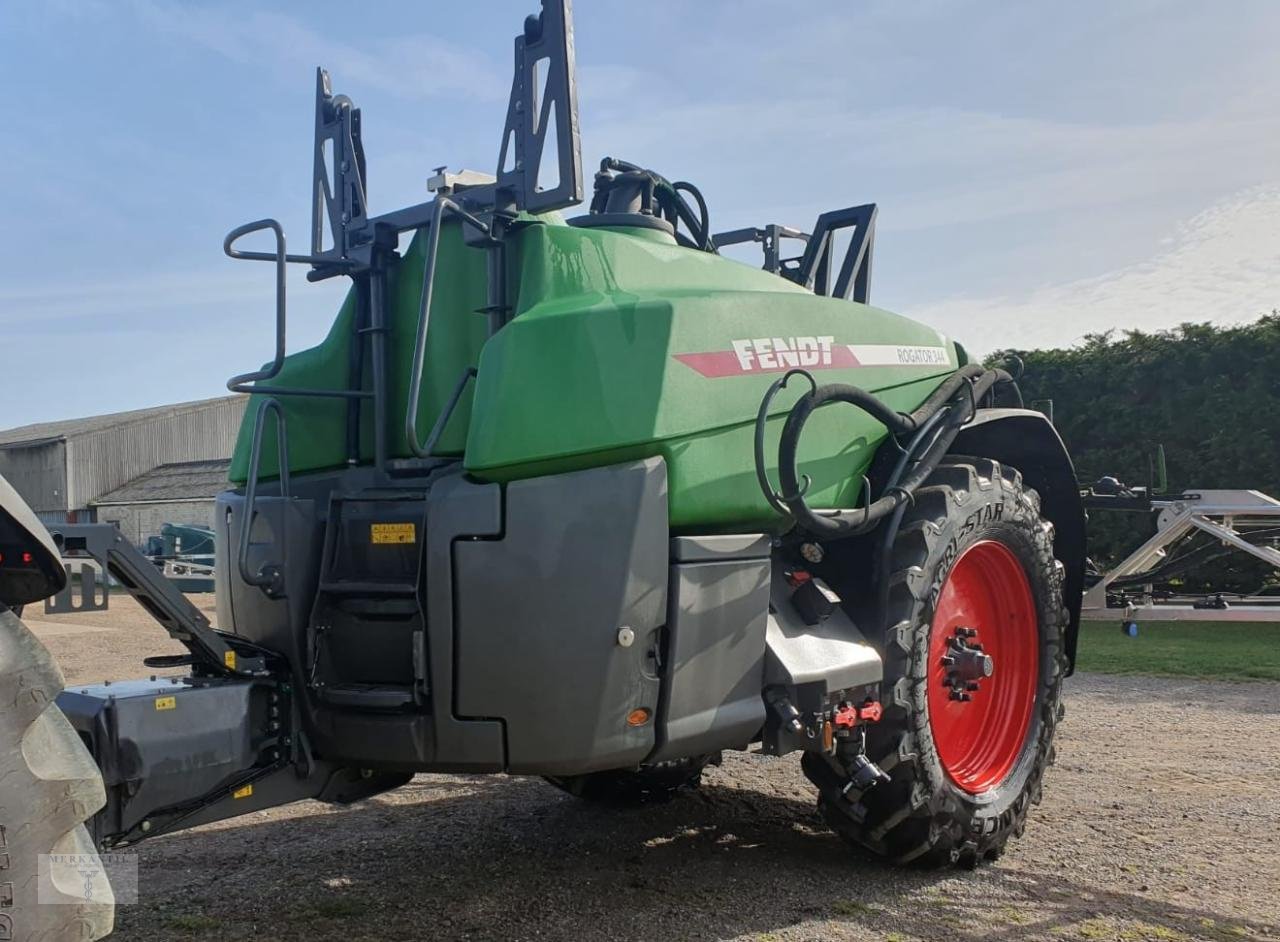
638, 716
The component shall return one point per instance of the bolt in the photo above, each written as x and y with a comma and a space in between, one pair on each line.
146, 826
626, 637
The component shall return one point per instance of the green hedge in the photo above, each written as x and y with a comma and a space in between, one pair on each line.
1210, 395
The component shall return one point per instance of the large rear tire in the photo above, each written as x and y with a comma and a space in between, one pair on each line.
49, 786
973, 667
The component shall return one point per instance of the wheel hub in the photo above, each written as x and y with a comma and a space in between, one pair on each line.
967, 664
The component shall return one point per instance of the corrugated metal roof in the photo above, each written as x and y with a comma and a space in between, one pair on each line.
73, 428
184, 480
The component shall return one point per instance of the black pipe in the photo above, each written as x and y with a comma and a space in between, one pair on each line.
961, 392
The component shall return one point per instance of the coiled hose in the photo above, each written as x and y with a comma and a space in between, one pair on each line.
932, 427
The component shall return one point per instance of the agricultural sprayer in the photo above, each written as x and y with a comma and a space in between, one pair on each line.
575, 497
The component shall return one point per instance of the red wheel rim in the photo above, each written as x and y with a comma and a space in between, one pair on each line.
983, 667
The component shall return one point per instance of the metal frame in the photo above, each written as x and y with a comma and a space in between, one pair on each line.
543, 51
853, 283
770, 240
813, 269
1221, 514
138, 575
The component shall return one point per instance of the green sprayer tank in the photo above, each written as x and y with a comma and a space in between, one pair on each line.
623, 345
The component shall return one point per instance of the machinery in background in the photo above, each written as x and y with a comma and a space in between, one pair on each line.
185, 554
1192, 529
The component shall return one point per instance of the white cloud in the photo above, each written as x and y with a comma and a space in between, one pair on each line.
418, 66
1222, 266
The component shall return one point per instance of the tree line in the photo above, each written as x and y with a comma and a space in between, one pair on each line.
1210, 395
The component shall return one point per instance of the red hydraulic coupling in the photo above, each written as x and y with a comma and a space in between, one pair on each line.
847, 717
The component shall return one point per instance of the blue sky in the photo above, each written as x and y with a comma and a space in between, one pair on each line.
1043, 169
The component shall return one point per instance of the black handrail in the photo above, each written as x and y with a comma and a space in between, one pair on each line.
441, 206
243, 382
269, 578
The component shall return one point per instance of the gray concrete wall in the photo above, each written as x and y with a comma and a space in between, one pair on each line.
139, 521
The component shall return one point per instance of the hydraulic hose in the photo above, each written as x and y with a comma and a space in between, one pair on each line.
671, 203
958, 395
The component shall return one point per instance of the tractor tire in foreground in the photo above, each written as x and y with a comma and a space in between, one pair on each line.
637, 786
49, 786
973, 668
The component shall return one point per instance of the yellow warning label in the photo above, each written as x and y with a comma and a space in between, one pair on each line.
229, 659
242, 792
166, 703
392, 533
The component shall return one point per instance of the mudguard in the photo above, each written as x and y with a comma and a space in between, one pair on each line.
30, 564
1027, 440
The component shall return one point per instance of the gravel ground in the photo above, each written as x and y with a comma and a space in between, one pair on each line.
1160, 821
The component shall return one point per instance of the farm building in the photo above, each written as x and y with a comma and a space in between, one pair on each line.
182, 492
133, 460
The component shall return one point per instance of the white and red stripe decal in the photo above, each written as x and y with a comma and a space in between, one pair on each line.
779, 354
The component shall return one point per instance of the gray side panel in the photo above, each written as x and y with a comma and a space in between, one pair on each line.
457, 510
833, 653
539, 613
286, 532
692, 549
716, 641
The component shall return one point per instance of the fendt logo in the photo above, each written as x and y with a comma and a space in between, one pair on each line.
778, 354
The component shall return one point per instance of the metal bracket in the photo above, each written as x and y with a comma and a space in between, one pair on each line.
338, 177
94, 590
161, 598
852, 283
543, 94
813, 269
770, 240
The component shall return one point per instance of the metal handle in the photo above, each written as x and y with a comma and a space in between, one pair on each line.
243, 382
441, 206
270, 577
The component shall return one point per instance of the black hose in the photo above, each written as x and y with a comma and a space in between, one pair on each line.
672, 205
959, 394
